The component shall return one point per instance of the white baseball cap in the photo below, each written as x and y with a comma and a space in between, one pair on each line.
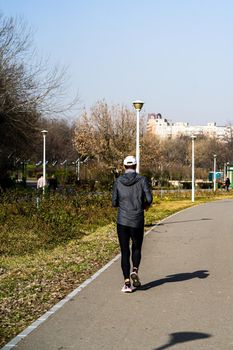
130, 160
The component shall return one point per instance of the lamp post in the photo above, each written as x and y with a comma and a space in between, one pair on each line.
193, 170
44, 133
215, 156
227, 164
78, 168
138, 106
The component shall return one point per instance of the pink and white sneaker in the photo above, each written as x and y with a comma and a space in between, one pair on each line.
127, 288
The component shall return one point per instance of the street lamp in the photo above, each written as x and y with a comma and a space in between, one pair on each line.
193, 137
138, 106
44, 133
227, 164
215, 156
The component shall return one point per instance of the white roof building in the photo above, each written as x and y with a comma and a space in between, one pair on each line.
163, 128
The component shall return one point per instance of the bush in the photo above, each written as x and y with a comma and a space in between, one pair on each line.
29, 222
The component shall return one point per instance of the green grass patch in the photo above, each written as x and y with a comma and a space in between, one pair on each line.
48, 251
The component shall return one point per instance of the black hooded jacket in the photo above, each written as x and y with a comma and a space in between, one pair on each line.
131, 192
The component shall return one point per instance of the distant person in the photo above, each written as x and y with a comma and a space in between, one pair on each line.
24, 181
227, 183
131, 195
53, 183
40, 182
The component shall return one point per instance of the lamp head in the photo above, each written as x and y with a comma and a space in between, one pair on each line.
138, 105
193, 137
44, 132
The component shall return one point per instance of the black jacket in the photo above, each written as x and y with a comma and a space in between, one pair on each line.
131, 192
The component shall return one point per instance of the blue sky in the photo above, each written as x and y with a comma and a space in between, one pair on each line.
176, 55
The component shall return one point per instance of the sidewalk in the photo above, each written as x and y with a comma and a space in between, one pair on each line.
185, 301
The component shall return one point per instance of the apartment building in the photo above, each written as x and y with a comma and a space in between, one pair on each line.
164, 128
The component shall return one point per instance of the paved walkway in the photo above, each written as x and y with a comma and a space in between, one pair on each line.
186, 301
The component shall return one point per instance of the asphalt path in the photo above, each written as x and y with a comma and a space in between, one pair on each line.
186, 300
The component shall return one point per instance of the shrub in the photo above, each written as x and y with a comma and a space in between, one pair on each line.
29, 222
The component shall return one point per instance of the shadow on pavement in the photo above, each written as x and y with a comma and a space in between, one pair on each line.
174, 222
182, 337
179, 277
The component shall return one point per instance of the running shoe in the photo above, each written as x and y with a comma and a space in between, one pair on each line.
126, 288
135, 278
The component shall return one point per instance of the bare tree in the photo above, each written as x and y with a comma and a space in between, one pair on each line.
59, 145
106, 134
27, 91
151, 155
205, 148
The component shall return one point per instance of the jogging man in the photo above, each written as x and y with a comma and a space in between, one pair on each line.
131, 194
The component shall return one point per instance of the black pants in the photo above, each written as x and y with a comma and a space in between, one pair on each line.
125, 233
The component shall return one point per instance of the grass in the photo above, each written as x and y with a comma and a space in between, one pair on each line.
48, 253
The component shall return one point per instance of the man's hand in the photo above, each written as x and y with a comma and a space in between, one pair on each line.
146, 206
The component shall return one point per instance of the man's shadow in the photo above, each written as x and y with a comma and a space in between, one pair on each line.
182, 337
179, 277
